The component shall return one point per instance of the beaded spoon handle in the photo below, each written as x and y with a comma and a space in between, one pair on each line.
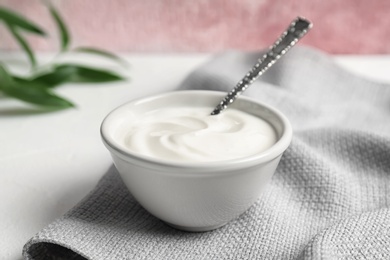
297, 29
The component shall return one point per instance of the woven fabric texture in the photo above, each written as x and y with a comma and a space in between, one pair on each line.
329, 197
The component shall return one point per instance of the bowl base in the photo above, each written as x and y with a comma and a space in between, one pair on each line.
195, 229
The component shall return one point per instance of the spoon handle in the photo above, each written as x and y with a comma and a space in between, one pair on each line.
297, 29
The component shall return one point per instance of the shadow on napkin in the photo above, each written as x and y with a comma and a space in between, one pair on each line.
108, 224
329, 197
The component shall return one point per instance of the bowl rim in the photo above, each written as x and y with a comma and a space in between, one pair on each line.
269, 154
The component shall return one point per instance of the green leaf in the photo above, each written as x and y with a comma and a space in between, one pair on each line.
69, 73
55, 77
36, 95
5, 78
21, 80
23, 44
89, 74
31, 92
14, 19
63, 30
74, 73
102, 53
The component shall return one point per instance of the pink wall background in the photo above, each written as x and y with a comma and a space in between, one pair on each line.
341, 27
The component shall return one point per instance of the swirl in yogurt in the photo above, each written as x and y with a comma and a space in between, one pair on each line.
188, 134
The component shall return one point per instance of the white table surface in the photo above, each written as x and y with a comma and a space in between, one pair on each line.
50, 161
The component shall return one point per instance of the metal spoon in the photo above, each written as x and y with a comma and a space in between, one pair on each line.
297, 29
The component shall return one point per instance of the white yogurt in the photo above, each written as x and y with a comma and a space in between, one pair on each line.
188, 134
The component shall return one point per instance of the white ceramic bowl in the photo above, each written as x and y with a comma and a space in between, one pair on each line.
194, 196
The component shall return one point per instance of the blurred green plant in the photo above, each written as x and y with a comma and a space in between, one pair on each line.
37, 87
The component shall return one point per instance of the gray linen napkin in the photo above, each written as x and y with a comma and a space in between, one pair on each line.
329, 198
